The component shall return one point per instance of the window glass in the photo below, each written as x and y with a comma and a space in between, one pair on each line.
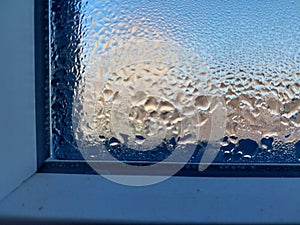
146, 80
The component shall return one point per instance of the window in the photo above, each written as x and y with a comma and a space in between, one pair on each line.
27, 196
144, 82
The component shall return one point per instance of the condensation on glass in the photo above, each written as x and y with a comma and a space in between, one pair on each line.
139, 78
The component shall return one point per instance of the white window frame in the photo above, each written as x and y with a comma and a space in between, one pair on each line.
27, 196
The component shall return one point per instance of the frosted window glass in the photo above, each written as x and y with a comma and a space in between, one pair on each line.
140, 80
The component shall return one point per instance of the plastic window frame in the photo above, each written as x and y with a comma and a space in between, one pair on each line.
32, 197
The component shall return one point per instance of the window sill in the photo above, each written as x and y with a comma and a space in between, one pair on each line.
93, 199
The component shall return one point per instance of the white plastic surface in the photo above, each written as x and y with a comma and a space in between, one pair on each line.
17, 119
184, 200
